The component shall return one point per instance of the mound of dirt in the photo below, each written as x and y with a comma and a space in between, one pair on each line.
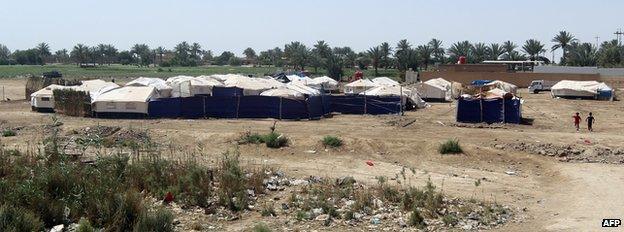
569, 153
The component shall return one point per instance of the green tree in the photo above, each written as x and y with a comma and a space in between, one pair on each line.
495, 51
160, 52
182, 54
80, 53
437, 50
610, 54
207, 57
584, 54
406, 57
250, 54
458, 49
195, 54
480, 52
126, 58
44, 51
5, 54
533, 48
143, 53
61, 56
563, 40
386, 51
425, 53
298, 55
376, 56
225, 58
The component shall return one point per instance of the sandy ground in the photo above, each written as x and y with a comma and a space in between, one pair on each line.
555, 196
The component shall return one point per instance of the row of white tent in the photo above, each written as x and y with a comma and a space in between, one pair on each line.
135, 95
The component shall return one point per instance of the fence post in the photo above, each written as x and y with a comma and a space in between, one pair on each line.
280, 109
237, 106
365, 104
204, 104
504, 116
481, 109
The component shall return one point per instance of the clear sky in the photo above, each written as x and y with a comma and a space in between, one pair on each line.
236, 24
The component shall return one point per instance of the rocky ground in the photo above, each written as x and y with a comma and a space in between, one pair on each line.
583, 152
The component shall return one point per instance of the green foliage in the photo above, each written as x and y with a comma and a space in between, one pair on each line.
275, 140
160, 220
416, 219
450, 220
8, 133
84, 225
332, 141
268, 209
16, 219
451, 146
71, 102
232, 192
261, 227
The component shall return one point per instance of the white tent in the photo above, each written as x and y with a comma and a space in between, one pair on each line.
298, 86
164, 90
437, 88
127, 99
384, 81
44, 99
507, 87
567, 88
325, 82
359, 86
406, 93
283, 92
252, 86
187, 86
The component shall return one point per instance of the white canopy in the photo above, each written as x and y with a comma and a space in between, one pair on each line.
127, 99
507, 87
384, 81
297, 86
283, 92
359, 86
161, 86
567, 88
437, 88
406, 93
252, 86
187, 86
327, 83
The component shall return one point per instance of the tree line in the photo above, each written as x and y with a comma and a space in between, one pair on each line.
403, 56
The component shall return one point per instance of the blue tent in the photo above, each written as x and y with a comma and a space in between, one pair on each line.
497, 110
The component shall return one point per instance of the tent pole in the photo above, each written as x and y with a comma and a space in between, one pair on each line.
280, 109
365, 104
504, 116
481, 109
237, 106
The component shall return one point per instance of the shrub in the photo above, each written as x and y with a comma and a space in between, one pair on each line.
253, 138
416, 219
451, 146
268, 210
232, 191
71, 102
275, 140
332, 141
160, 220
261, 227
18, 219
8, 133
450, 220
84, 225
194, 186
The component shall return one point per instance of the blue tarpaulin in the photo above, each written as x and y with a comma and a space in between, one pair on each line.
489, 110
164, 108
259, 107
192, 107
226, 91
221, 107
480, 82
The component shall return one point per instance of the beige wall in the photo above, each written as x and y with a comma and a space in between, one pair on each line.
521, 79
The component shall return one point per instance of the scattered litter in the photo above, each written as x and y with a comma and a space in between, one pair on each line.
511, 173
310, 151
370, 163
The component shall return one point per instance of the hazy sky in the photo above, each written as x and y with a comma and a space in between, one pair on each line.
261, 24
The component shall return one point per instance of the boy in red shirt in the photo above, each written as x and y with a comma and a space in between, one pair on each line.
577, 120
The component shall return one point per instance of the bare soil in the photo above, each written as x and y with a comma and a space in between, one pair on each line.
553, 195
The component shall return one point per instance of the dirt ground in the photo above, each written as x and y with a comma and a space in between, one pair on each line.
552, 195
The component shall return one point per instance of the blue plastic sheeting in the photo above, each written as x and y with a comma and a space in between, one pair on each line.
259, 107
221, 107
348, 104
489, 111
480, 82
119, 115
383, 105
492, 110
192, 107
513, 111
294, 109
469, 111
315, 107
226, 91
326, 99
605, 94
164, 108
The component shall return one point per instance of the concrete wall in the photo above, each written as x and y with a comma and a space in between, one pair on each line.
521, 79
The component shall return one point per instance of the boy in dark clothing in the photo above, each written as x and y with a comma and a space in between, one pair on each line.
577, 120
590, 122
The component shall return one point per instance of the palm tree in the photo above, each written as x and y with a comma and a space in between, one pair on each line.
582, 54
610, 54
424, 53
80, 53
479, 52
386, 50
496, 51
298, 54
44, 51
562, 40
460, 49
61, 56
160, 51
437, 50
143, 52
322, 49
510, 49
533, 48
375, 56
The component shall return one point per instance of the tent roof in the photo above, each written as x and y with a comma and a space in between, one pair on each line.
439, 82
362, 83
384, 81
325, 80
299, 87
47, 91
127, 94
149, 81
252, 83
197, 81
590, 86
283, 92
